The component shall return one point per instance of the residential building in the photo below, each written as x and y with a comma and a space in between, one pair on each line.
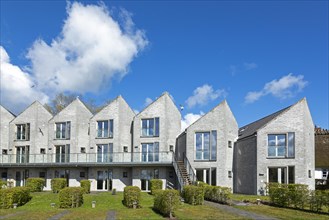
277, 148
321, 157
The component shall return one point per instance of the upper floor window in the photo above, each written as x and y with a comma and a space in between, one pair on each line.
23, 131
22, 154
63, 130
151, 127
206, 145
281, 145
105, 129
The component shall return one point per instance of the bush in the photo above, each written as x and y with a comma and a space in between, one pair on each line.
193, 195
166, 201
156, 184
35, 184
131, 196
217, 194
9, 196
57, 184
318, 198
297, 195
71, 197
85, 184
3, 184
278, 194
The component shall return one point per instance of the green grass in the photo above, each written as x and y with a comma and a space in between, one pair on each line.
249, 198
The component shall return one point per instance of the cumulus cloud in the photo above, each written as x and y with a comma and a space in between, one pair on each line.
189, 119
204, 94
148, 101
17, 88
286, 87
91, 50
250, 66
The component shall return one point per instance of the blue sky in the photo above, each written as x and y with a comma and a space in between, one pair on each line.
259, 55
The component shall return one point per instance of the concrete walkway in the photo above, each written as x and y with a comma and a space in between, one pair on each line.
59, 215
111, 215
11, 215
246, 214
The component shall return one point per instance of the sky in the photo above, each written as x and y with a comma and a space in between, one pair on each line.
261, 56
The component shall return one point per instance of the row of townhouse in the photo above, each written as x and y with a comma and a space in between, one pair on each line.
116, 147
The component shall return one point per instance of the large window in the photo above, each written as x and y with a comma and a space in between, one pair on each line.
105, 129
284, 175
151, 127
63, 130
63, 153
23, 132
22, 154
206, 145
105, 153
150, 152
281, 145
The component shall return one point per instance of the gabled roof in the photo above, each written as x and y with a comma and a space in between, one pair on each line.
36, 102
251, 129
74, 101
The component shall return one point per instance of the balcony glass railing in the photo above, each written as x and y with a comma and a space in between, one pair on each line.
94, 158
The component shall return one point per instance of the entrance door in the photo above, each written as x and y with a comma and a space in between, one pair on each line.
104, 180
145, 185
21, 177
277, 175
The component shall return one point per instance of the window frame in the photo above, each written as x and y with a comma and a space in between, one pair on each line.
66, 135
156, 127
110, 129
23, 131
286, 146
211, 133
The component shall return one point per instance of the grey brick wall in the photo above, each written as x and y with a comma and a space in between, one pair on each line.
5, 118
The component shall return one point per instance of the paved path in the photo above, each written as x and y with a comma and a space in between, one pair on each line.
11, 215
240, 212
59, 215
111, 215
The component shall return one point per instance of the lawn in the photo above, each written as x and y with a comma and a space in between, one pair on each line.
39, 208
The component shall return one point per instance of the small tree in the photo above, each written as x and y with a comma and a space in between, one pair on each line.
156, 184
85, 184
35, 184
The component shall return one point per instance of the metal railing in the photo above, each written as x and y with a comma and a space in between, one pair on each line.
190, 170
94, 158
178, 173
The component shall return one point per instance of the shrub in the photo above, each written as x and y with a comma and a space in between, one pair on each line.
193, 195
318, 198
297, 195
202, 184
156, 184
85, 184
131, 196
9, 196
278, 194
217, 194
166, 201
35, 184
57, 184
71, 197
3, 184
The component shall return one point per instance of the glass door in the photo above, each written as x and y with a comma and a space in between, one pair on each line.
104, 180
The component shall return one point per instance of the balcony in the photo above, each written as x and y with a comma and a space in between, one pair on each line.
87, 159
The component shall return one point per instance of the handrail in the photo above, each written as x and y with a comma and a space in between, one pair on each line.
189, 170
178, 173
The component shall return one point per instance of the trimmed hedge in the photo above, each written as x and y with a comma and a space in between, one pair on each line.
57, 184
85, 184
35, 184
9, 196
217, 194
3, 184
71, 197
131, 196
166, 201
156, 184
193, 195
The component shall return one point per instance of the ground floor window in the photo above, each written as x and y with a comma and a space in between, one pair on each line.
146, 176
104, 180
21, 177
285, 175
207, 175
63, 174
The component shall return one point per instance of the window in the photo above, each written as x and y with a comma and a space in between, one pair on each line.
156, 173
62, 153
150, 152
150, 127
105, 153
43, 175
125, 174
171, 174
105, 129
125, 149
4, 151
281, 145
22, 154
82, 174
82, 150
42, 150
281, 174
206, 145
171, 148
23, 132
63, 130
309, 174
229, 144
229, 174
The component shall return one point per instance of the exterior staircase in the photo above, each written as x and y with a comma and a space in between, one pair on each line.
184, 174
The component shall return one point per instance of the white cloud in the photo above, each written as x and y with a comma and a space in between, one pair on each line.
148, 101
203, 94
17, 88
189, 119
91, 51
286, 87
250, 66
